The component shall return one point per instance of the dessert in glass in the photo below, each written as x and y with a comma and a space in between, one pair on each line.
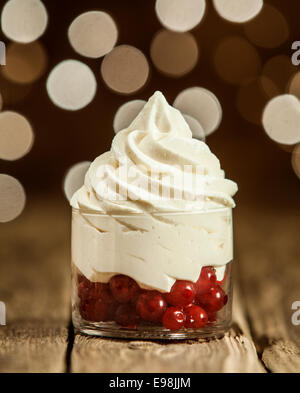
152, 244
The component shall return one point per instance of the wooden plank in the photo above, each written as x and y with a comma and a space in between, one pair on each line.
233, 353
33, 348
34, 284
268, 258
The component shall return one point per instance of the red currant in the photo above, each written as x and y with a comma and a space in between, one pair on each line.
151, 305
123, 288
126, 315
90, 290
213, 300
95, 310
108, 298
206, 280
174, 318
87, 310
196, 317
212, 318
182, 293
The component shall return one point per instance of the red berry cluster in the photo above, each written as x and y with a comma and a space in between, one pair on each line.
188, 304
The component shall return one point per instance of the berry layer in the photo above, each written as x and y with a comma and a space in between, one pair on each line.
187, 305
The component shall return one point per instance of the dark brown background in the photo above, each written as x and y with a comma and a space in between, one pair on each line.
261, 168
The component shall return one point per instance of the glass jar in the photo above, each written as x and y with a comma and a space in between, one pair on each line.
156, 276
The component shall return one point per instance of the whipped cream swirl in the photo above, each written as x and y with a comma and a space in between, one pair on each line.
155, 165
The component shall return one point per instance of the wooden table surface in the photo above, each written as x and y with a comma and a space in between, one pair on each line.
35, 286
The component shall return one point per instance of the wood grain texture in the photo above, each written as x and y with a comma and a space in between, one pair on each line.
34, 284
268, 251
33, 348
233, 353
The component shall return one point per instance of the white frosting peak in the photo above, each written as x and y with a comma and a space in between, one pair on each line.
158, 116
155, 165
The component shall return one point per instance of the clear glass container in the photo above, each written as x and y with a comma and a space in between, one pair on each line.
159, 276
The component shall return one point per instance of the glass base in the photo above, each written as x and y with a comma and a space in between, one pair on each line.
144, 332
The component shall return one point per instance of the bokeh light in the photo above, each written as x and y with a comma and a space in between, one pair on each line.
236, 60
296, 160
238, 11
25, 63
253, 96
71, 85
281, 119
269, 29
74, 178
93, 34
279, 69
127, 113
174, 54
16, 136
12, 198
202, 105
24, 21
125, 69
294, 85
196, 128
178, 15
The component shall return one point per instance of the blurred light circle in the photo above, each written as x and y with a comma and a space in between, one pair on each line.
12, 198
25, 63
195, 126
174, 54
236, 60
125, 69
74, 178
281, 119
178, 15
202, 105
71, 85
296, 160
294, 85
24, 21
127, 113
269, 29
16, 136
253, 96
279, 69
238, 11
93, 34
